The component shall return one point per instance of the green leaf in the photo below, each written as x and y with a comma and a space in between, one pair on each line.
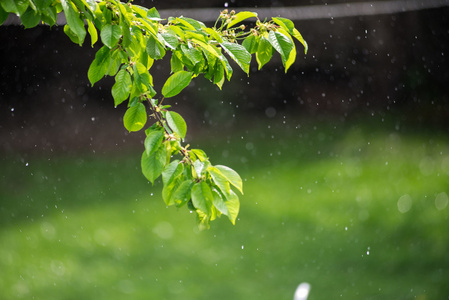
74, 20
93, 32
99, 65
110, 35
299, 37
281, 43
172, 171
233, 204
251, 44
219, 203
194, 55
227, 67
153, 14
69, 32
135, 117
239, 54
176, 64
153, 141
176, 83
285, 23
232, 176
183, 193
200, 167
154, 48
121, 87
167, 192
202, 197
239, 17
176, 123
219, 75
292, 56
220, 180
141, 76
195, 25
3, 15
200, 154
116, 61
152, 165
264, 52
30, 18
17, 7
171, 40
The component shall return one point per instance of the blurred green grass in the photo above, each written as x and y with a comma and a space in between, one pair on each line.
358, 211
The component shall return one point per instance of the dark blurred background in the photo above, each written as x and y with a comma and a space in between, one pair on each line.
367, 66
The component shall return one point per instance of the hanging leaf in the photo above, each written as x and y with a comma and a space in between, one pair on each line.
264, 52
100, 65
299, 37
219, 203
232, 176
30, 18
220, 180
110, 35
135, 117
121, 87
285, 23
281, 43
241, 16
74, 20
202, 197
171, 40
17, 7
154, 48
239, 54
3, 15
153, 141
176, 83
152, 165
176, 123
233, 204
141, 76
183, 193
251, 44
93, 33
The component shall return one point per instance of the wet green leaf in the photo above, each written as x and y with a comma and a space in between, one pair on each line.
241, 16
100, 65
202, 197
177, 123
154, 48
176, 83
74, 20
121, 87
110, 35
281, 43
239, 54
153, 141
232, 176
152, 165
264, 52
135, 117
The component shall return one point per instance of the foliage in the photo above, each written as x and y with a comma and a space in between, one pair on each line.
133, 38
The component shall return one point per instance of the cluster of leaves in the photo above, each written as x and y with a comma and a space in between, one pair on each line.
133, 37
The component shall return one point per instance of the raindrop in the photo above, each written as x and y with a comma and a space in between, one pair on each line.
243, 247
404, 203
441, 201
226, 4
26, 164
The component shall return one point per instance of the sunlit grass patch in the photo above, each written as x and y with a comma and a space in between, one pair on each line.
358, 214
